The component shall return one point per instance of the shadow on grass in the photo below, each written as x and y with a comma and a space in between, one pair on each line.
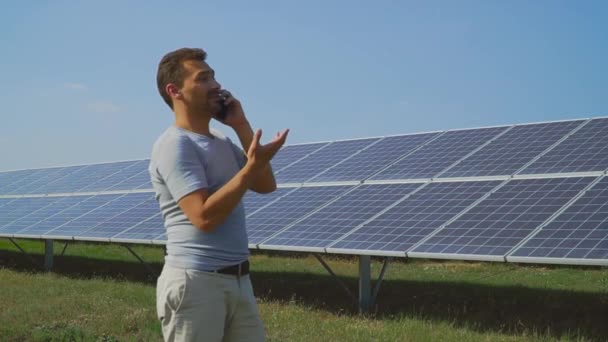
485, 308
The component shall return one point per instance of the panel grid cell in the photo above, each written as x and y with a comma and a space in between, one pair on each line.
40, 186
146, 230
580, 232
333, 221
129, 170
292, 153
21, 178
416, 217
321, 160
139, 181
584, 151
280, 214
506, 217
55, 205
94, 210
374, 158
512, 150
254, 201
436, 156
19, 208
117, 216
59, 217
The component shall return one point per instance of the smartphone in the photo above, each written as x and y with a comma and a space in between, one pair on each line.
221, 114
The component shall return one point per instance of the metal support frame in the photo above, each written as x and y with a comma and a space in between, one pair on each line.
366, 296
48, 255
64, 248
24, 252
148, 267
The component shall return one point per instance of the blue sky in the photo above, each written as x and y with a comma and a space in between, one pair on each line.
78, 77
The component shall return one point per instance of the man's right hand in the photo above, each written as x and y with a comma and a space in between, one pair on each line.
258, 155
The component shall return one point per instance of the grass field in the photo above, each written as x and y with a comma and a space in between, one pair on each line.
100, 292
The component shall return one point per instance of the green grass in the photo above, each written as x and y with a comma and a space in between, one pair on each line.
100, 292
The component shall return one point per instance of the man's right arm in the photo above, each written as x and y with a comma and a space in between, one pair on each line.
206, 211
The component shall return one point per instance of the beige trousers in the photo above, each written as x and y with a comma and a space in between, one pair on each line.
203, 306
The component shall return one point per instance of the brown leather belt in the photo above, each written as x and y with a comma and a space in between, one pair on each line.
237, 270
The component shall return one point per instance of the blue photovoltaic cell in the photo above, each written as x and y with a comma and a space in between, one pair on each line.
43, 180
161, 237
129, 170
42, 177
18, 208
338, 218
585, 150
21, 178
57, 218
146, 230
373, 159
93, 211
6, 178
439, 154
413, 219
291, 153
506, 217
140, 180
288, 209
116, 216
4, 201
321, 160
512, 150
254, 201
580, 232
84, 177
56, 204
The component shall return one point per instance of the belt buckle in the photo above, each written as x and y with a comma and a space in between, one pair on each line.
240, 268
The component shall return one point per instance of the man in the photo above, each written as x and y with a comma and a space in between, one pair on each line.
204, 292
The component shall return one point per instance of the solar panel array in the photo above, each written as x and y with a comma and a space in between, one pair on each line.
526, 193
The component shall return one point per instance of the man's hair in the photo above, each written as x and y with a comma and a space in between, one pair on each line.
171, 69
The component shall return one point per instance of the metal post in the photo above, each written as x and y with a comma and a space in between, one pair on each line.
48, 255
364, 283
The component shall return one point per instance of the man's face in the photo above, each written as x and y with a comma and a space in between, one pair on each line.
200, 91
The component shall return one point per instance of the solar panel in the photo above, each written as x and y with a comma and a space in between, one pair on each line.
129, 170
415, 218
92, 211
580, 232
54, 205
292, 153
19, 208
254, 201
278, 215
338, 218
116, 216
440, 153
21, 178
585, 150
512, 150
321, 160
39, 185
139, 181
502, 220
373, 159
149, 229
71, 209
7, 178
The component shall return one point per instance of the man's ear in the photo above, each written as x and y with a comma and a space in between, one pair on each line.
172, 90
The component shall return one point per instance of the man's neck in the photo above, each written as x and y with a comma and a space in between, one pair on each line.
192, 122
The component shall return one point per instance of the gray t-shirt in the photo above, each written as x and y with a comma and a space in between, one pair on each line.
182, 162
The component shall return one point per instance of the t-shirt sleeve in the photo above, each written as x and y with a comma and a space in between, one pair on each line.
181, 168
